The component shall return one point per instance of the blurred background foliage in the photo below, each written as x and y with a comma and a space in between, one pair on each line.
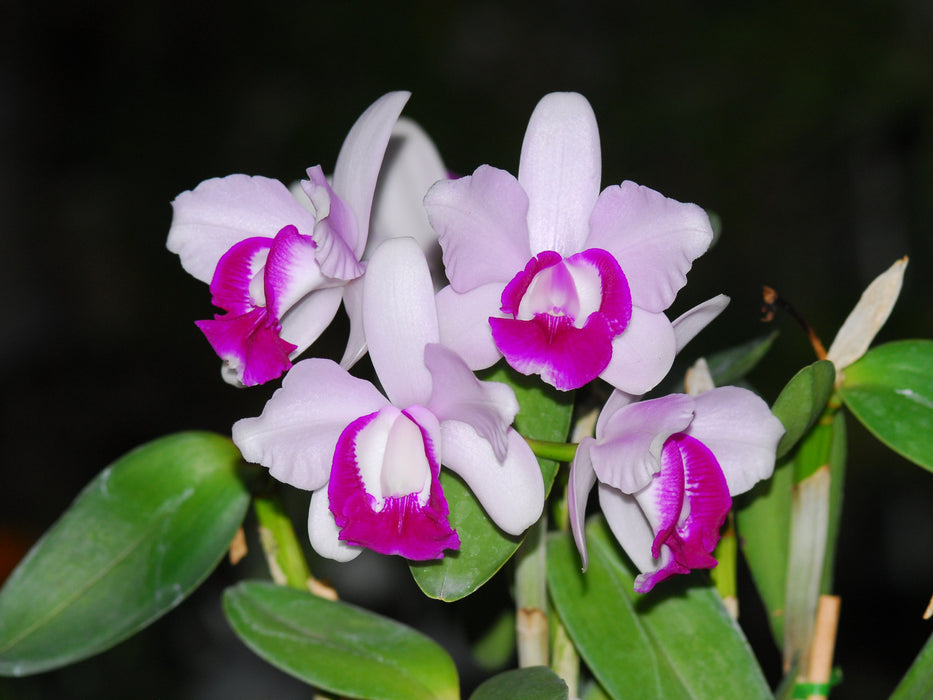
807, 127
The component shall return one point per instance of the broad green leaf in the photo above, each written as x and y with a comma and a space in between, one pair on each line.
763, 523
890, 391
337, 647
675, 642
538, 682
917, 684
139, 538
802, 400
484, 548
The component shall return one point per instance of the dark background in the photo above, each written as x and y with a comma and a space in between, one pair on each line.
808, 128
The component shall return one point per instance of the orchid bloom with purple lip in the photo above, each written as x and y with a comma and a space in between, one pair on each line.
560, 279
667, 470
373, 461
276, 269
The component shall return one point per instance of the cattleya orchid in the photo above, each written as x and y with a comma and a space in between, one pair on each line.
667, 470
276, 269
373, 461
560, 279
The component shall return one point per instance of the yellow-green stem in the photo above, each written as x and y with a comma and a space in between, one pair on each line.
558, 451
283, 552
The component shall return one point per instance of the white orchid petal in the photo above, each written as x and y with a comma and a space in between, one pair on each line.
511, 492
324, 533
399, 319
560, 169
740, 430
360, 159
691, 322
297, 433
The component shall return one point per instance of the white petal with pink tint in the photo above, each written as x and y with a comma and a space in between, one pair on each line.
560, 169
654, 238
299, 427
210, 219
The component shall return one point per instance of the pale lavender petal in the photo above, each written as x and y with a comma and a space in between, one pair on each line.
560, 171
463, 321
399, 319
643, 354
335, 231
627, 454
690, 323
739, 428
617, 400
360, 159
356, 342
581, 481
411, 165
480, 220
456, 394
655, 240
511, 492
324, 533
631, 528
306, 320
210, 219
297, 433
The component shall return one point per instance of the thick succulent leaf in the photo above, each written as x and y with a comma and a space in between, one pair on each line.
676, 642
890, 391
484, 548
337, 647
802, 400
139, 538
537, 682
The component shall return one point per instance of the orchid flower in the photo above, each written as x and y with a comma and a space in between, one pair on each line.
560, 279
373, 460
276, 269
667, 470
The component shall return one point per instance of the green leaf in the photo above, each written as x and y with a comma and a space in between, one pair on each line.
917, 684
801, 402
484, 548
538, 682
890, 391
764, 515
675, 642
728, 366
337, 647
139, 538
497, 645
763, 523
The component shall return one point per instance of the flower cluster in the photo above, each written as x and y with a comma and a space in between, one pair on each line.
545, 270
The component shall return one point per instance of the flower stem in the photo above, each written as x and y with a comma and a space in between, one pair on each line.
283, 553
558, 451
531, 624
